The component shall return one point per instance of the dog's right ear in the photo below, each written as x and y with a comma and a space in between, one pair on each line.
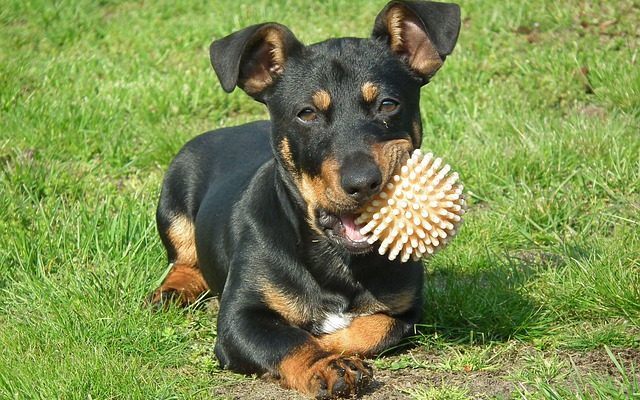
253, 58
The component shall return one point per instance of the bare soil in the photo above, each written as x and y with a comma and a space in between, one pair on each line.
391, 384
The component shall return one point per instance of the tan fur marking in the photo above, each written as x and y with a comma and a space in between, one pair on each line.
423, 57
296, 370
394, 27
285, 152
186, 281
184, 277
314, 372
426, 60
182, 236
311, 189
273, 38
391, 155
285, 304
324, 191
363, 337
322, 100
254, 86
370, 92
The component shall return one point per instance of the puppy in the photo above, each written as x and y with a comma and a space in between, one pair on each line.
262, 215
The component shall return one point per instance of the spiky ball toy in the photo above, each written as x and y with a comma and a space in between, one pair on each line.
417, 212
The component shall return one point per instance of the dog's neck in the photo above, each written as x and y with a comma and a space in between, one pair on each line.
289, 199
325, 261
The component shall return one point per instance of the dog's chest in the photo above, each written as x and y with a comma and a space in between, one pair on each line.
332, 322
331, 318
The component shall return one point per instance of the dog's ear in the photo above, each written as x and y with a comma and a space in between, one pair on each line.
422, 33
253, 58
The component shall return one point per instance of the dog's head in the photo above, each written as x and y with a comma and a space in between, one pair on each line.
345, 112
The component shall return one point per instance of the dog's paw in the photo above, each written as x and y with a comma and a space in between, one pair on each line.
159, 299
338, 377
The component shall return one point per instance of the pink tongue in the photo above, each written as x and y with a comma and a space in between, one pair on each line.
350, 228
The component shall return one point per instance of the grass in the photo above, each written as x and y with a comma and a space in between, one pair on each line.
538, 108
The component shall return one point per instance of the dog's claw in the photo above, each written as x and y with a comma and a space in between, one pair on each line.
341, 377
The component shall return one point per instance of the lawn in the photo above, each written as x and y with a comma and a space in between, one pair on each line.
538, 109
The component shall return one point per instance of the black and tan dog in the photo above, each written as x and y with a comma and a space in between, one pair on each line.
262, 215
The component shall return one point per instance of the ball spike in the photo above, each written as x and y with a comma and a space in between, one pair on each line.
418, 210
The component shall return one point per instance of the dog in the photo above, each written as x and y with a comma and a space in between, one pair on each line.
262, 215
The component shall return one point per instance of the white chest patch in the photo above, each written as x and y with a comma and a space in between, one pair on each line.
334, 322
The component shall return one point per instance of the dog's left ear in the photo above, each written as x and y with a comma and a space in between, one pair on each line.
422, 33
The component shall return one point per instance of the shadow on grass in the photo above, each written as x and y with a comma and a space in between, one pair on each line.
488, 304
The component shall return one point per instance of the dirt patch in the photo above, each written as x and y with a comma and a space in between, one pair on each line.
254, 389
388, 384
395, 384
598, 362
392, 383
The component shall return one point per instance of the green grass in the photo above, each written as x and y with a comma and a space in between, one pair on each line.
97, 96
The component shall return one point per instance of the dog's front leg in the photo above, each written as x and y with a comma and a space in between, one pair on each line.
368, 335
252, 338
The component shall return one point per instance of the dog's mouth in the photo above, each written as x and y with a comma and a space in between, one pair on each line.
342, 229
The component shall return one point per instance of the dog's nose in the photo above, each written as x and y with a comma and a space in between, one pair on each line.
361, 178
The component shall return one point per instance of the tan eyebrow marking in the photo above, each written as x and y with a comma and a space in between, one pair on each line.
370, 92
322, 100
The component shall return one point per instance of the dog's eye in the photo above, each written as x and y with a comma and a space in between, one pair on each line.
307, 115
388, 106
